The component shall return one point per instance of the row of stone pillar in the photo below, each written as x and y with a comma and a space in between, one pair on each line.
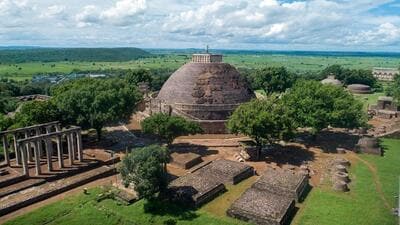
32, 149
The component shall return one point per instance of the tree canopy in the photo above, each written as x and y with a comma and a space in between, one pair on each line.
169, 127
271, 79
36, 112
134, 77
145, 169
94, 103
351, 76
317, 106
263, 120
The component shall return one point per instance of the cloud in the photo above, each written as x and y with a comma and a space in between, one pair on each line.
54, 11
277, 24
121, 14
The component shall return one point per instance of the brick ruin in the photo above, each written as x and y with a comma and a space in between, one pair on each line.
386, 108
271, 199
207, 182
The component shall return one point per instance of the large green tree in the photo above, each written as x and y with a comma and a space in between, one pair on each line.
263, 120
36, 112
316, 106
169, 127
272, 79
145, 169
134, 77
94, 103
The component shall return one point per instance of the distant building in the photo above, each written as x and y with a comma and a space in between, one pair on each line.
385, 74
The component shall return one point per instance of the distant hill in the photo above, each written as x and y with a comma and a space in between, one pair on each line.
71, 54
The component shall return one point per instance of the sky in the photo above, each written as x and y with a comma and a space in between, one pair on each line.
323, 25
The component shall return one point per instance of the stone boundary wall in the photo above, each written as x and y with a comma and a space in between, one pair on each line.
43, 194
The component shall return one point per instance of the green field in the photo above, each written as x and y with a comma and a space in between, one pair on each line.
84, 209
300, 64
362, 205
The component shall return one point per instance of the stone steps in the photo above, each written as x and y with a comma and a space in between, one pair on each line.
20, 186
35, 194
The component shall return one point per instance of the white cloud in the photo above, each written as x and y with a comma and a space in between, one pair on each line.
54, 11
121, 14
334, 24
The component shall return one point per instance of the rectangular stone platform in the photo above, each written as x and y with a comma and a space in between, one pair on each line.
185, 160
227, 171
262, 207
282, 182
195, 189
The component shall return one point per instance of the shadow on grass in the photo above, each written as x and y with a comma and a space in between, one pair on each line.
166, 208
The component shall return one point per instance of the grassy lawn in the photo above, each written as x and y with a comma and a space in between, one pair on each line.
369, 99
363, 204
84, 209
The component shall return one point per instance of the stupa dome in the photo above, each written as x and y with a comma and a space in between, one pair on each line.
332, 80
205, 90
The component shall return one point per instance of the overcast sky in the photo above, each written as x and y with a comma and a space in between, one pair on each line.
355, 25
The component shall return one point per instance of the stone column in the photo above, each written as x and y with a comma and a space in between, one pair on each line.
58, 127
17, 150
39, 145
28, 148
74, 144
37, 158
70, 153
5, 149
49, 154
60, 152
79, 145
25, 166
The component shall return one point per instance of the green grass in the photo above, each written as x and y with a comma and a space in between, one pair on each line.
84, 209
301, 64
369, 99
362, 205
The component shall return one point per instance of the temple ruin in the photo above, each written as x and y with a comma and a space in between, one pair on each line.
386, 108
30, 144
385, 74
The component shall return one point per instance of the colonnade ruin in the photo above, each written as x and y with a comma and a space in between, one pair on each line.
31, 144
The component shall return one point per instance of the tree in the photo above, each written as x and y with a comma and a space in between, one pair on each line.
134, 77
5, 122
94, 103
169, 127
351, 76
145, 168
394, 89
317, 106
36, 112
272, 79
263, 120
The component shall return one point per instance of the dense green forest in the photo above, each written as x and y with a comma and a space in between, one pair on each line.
71, 54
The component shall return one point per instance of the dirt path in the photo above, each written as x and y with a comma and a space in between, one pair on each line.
375, 177
96, 183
